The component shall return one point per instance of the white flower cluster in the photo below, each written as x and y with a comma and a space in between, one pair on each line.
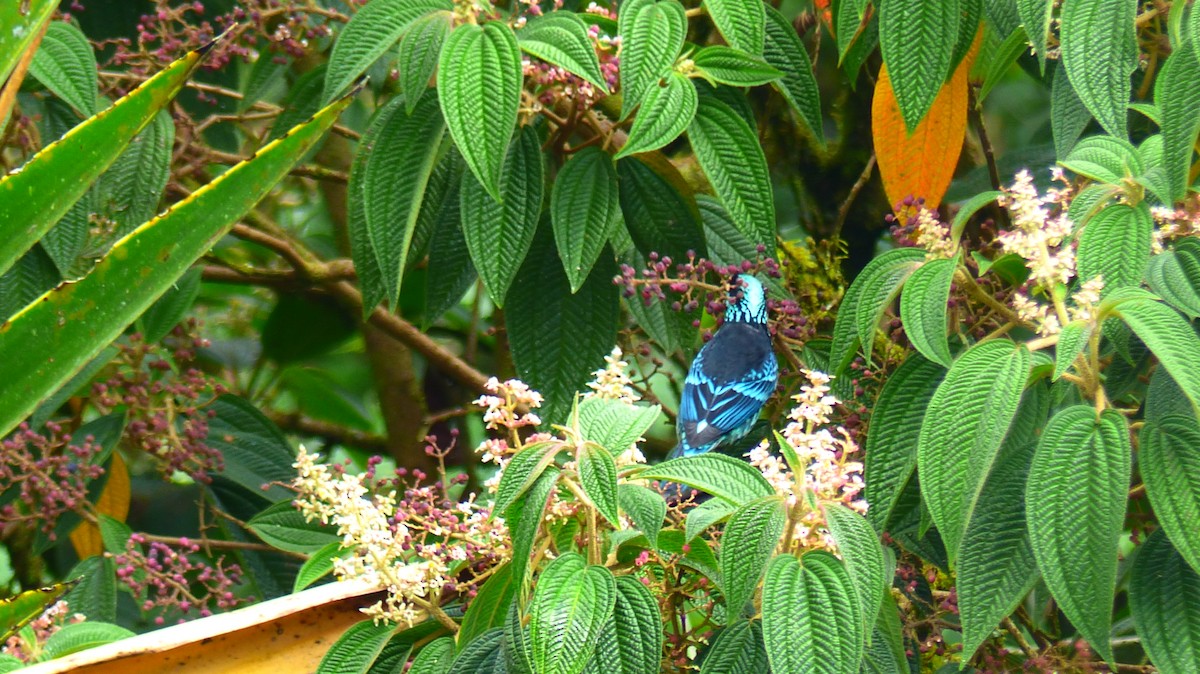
1173, 223
500, 407
612, 381
934, 236
1037, 234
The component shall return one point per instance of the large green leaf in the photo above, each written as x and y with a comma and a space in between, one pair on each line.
738, 649
1068, 115
585, 208
46, 187
356, 649
1164, 597
784, 50
726, 65
614, 424
1035, 15
362, 252
75, 321
722, 476
451, 271
490, 605
571, 604
561, 38
1099, 52
668, 106
811, 616
371, 32
1169, 461
659, 216
598, 477
1107, 159
66, 65
923, 309
963, 427
479, 80
133, 186
22, 22
395, 176
499, 234
482, 655
733, 160
522, 470
652, 34
418, 55
76, 637
1075, 504
1166, 277
1115, 245
645, 507
95, 595
286, 528
749, 539
891, 448
913, 37
1169, 337
638, 628
1179, 99
524, 518
741, 23
859, 547
435, 657
257, 455
880, 282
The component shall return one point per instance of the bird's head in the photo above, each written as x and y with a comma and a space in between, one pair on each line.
747, 301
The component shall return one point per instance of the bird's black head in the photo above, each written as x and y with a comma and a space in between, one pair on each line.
751, 306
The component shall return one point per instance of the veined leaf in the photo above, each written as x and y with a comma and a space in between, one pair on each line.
923, 308
1002, 58
1115, 245
571, 603
1068, 115
970, 32
614, 424
1180, 104
451, 271
1071, 342
1075, 502
1099, 53
18, 611
811, 617
733, 160
585, 208
65, 64
747, 544
318, 565
668, 107
23, 23
1169, 337
1107, 159
418, 56
524, 518
912, 34
371, 31
859, 547
490, 605
639, 627
96, 592
1168, 280
880, 285
645, 507
362, 252
1169, 461
133, 186
77, 320
722, 476
356, 649
598, 477
661, 215
652, 34
738, 649
284, 527
741, 22
783, 49
963, 427
1035, 14
44, 189
395, 175
76, 637
891, 449
726, 65
479, 81
481, 655
265, 80
500, 233
435, 657
561, 38
706, 515
1164, 597
521, 472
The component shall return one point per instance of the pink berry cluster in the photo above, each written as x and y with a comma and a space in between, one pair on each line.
50, 471
177, 581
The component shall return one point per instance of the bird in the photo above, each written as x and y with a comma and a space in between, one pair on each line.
731, 377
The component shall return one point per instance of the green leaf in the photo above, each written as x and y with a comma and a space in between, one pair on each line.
786, 53
598, 477
1169, 337
1104, 158
366, 263
65, 64
747, 544
1071, 342
451, 272
722, 476
479, 80
490, 605
732, 158
996, 567
726, 65
20, 610
168, 310
652, 34
614, 424
482, 654
969, 208
705, 515
301, 102
80, 637
521, 472
1167, 279
356, 649
661, 218
95, 595
1180, 103
418, 56
1115, 245
561, 38
257, 455
811, 617
23, 22
318, 565
963, 427
1036, 14
1068, 115
76, 321
1164, 597
892, 437
1075, 504
499, 235
858, 544
585, 208
880, 284
46, 187
524, 518
638, 628
115, 534
913, 36
266, 79
1099, 52
923, 308
741, 23
284, 527
305, 326
435, 657
668, 106
645, 507
571, 603
1169, 461
395, 176
371, 31
1003, 57
738, 649
558, 337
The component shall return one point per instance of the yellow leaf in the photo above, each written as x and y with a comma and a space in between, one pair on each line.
113, 501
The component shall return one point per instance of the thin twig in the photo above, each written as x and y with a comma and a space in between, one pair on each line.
844, 210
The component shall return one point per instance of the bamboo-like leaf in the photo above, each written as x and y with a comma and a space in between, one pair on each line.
66, 65
1075, 504
75, 321
22, 22
585, 208
571, 604
913, 37
1179, 101
418, 56
652, 34
1099, 53
44, 189
741, 22
923, 308
20, 610
561, 38
783, 49
749, 539
722, 476
1169, 461
811, 616
1164, 597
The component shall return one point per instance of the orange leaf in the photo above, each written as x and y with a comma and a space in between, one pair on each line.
113, 501
921, 164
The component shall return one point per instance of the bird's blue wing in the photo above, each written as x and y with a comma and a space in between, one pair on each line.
712, 410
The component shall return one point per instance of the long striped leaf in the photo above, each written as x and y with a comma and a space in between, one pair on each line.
652, 34
749, 539
1164, 596
585, 208
811, 616
22, 22
913, 37
1169, 461
1099, 53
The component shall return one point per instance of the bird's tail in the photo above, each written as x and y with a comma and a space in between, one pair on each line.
676, 453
